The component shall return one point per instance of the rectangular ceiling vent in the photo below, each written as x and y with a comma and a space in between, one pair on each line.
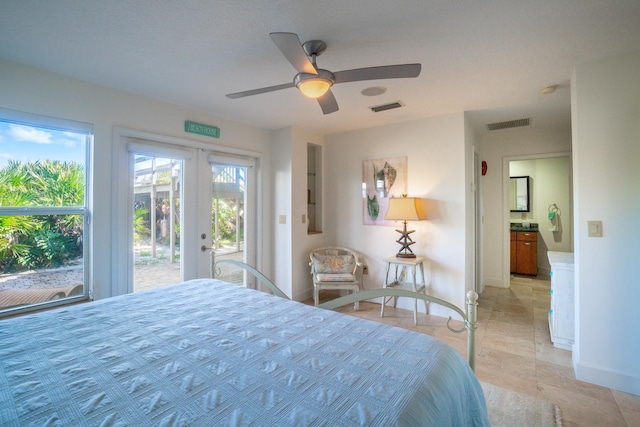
510, 124
386, 107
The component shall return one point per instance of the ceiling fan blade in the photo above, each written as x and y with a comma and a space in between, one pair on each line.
290, 46
328, 103
259, 91
375, 73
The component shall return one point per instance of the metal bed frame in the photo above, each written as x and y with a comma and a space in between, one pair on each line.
469, 317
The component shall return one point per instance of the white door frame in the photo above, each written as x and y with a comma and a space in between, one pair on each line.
477, 221
207, 159
191, 258
506, 211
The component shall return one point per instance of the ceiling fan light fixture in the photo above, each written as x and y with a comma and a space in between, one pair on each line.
314, 85
314, 88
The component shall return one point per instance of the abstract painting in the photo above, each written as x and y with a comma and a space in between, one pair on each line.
381, 180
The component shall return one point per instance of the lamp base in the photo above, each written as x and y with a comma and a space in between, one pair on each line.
405, 241
404, 255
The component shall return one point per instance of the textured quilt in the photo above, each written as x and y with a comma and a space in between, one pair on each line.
208, 353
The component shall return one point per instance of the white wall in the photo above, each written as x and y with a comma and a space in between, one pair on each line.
436, 153
606, 151
281, 166
291, 242
497, 148
303, 243
470, 187
39, 92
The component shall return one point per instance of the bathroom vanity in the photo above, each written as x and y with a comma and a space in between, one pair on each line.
524, 249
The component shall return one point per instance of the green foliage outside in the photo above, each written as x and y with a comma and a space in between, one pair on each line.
226, 222
140, 224
37, 241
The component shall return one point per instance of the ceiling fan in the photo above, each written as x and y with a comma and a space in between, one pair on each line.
316, 82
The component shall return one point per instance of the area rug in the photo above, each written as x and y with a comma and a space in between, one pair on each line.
508, 408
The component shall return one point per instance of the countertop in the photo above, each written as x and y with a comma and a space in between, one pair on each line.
560, 259
517, 226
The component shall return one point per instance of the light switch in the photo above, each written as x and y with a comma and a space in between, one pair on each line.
595, 228
282, 219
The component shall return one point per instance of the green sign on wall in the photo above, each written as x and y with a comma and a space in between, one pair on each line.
201, 129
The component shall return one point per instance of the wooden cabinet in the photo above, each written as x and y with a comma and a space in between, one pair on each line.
524, 252
513, 251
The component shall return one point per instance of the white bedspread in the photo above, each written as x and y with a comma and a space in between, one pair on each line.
207, 353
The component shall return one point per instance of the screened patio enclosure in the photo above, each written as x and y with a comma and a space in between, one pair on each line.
157, 191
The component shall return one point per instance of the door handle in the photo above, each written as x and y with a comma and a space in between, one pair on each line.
203, 248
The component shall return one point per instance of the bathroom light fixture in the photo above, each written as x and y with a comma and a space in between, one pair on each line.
314, 85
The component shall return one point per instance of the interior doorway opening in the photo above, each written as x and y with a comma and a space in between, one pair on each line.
550, 189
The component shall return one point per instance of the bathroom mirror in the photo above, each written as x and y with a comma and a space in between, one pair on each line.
519, 194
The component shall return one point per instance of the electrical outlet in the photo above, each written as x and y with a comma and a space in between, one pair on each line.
365, 269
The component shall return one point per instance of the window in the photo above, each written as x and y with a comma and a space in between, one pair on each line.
44, 173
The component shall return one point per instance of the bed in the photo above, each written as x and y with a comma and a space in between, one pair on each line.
208, 353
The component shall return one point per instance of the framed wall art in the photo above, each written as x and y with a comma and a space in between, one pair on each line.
381, 180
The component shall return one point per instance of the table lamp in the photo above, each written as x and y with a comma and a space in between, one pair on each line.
405, 209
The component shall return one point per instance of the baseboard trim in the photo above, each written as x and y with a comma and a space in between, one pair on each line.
607, 378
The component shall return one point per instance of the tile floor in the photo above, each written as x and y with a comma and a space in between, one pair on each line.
514, 351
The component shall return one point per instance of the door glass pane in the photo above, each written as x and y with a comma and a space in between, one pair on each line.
228, 219
42, 211
157, 221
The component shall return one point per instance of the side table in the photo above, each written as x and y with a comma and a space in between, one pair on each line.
401, 264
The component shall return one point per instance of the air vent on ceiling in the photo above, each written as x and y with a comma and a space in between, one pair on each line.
510, 124
386, 107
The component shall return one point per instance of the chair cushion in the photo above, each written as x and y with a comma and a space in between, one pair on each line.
333, 264
340, 277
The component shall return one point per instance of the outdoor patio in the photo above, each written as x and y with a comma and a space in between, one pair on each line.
35, 286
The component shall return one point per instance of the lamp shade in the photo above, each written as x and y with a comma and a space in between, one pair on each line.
405, 209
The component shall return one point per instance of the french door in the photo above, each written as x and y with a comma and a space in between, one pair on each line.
230, 215
181, 208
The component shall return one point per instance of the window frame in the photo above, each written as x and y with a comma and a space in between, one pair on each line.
66, 125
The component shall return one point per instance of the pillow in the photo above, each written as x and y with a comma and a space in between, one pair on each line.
338, 264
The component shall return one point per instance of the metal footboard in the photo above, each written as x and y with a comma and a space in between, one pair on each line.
470, 318
258, 275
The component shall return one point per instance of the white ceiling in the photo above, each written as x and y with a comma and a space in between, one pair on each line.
490, 57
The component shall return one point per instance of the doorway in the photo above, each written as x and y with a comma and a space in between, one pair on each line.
178, 206
550, 188
231, 218
157, 223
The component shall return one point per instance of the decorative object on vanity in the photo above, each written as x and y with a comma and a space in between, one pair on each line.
519, 199
381, 180
405, 209
316, 82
